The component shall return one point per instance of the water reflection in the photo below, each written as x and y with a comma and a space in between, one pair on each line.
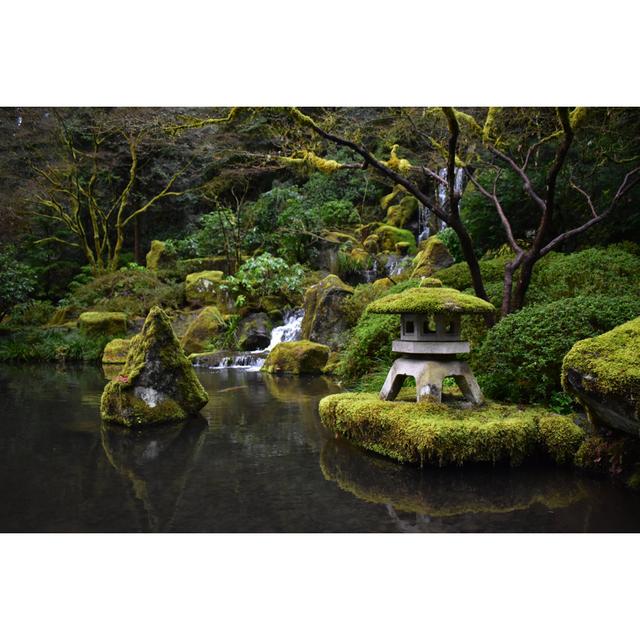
156, 464
436, 499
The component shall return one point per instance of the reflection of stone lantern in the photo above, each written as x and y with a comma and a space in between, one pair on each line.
430, 340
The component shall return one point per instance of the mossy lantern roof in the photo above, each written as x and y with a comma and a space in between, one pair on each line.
431, 299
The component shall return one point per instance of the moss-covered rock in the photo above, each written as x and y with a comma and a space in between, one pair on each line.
389, 236
157, 383
436, 433
116, 351
203, 288
433, 257
371, 243
159, 256
401, 214
62, 315
324, 320
431, 300
194, 265
254, 332
103, 323
301, 357
603, 373
205, 326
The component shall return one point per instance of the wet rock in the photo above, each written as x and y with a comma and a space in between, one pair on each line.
433, 257
390, 235
324, 320
116, 351
203, 288
102, 323
157, 383
603, 373
206, 326
254, 332
401, 214
301, 357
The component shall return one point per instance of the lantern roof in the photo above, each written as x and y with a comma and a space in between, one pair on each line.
432, 299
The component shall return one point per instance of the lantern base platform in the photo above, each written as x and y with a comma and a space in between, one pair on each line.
427, 347
429, 375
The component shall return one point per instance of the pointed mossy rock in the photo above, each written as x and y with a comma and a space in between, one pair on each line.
157, 383
203, 288
206, 326
296, 358
324, 320
433, 257
103, 323
603, 373
116, 351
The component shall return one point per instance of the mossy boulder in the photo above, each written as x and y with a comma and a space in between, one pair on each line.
301, 357
389, 236
205, 326
324, 319
402, 248
440, 434
116, 351
432, 258
194, 265
157, 383
401, 214
103, 323
159, 256
254, 332
603, 373
372, 243
203, 288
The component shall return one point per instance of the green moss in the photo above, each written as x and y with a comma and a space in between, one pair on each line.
429, 283
389, 236
301, 357
371, 243
431, 300
159, 256
102, 323
387, 199
610, 363
561, 437
315, 301
203, 287
433, 257
458, 275
438, 434
401, 214
204, 328
157, 383
116, 351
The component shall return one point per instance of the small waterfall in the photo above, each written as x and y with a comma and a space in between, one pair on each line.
291, 329
425, 214
370, 275
396, 264
253, 360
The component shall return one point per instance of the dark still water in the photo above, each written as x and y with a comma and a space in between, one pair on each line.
257, 461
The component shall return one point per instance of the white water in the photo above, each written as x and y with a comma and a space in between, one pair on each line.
253, 360
424, 213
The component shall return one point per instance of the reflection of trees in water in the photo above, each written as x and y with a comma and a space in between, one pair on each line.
419, 499
156, 464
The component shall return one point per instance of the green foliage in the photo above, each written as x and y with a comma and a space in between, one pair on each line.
209, 237
17, 281
521, 357
337, 213
450, 240
266, 275
32, 313
458, 276
51, 346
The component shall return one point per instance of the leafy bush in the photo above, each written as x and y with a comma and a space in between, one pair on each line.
458, 275
266, 275
450, 240
131, 291
521, 356
32, 313
17, 281
337, 213
51, 346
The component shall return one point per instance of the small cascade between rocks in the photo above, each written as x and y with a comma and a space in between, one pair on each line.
425, 214
396, 264
253, 360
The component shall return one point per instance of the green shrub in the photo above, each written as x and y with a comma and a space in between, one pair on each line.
450, 240
32, 313
17, 281
132, 291
458, 275
51, 346
521, 357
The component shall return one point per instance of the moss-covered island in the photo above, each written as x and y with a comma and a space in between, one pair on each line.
157, 382
300, 357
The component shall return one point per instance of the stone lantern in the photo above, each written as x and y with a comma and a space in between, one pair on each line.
430, 340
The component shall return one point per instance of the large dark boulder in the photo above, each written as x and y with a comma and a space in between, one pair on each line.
157, 383
603, 373
324, 319
254, 332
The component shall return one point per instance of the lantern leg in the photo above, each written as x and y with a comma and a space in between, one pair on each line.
392, 384
469, 385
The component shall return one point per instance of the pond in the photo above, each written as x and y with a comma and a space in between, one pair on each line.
257, 461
